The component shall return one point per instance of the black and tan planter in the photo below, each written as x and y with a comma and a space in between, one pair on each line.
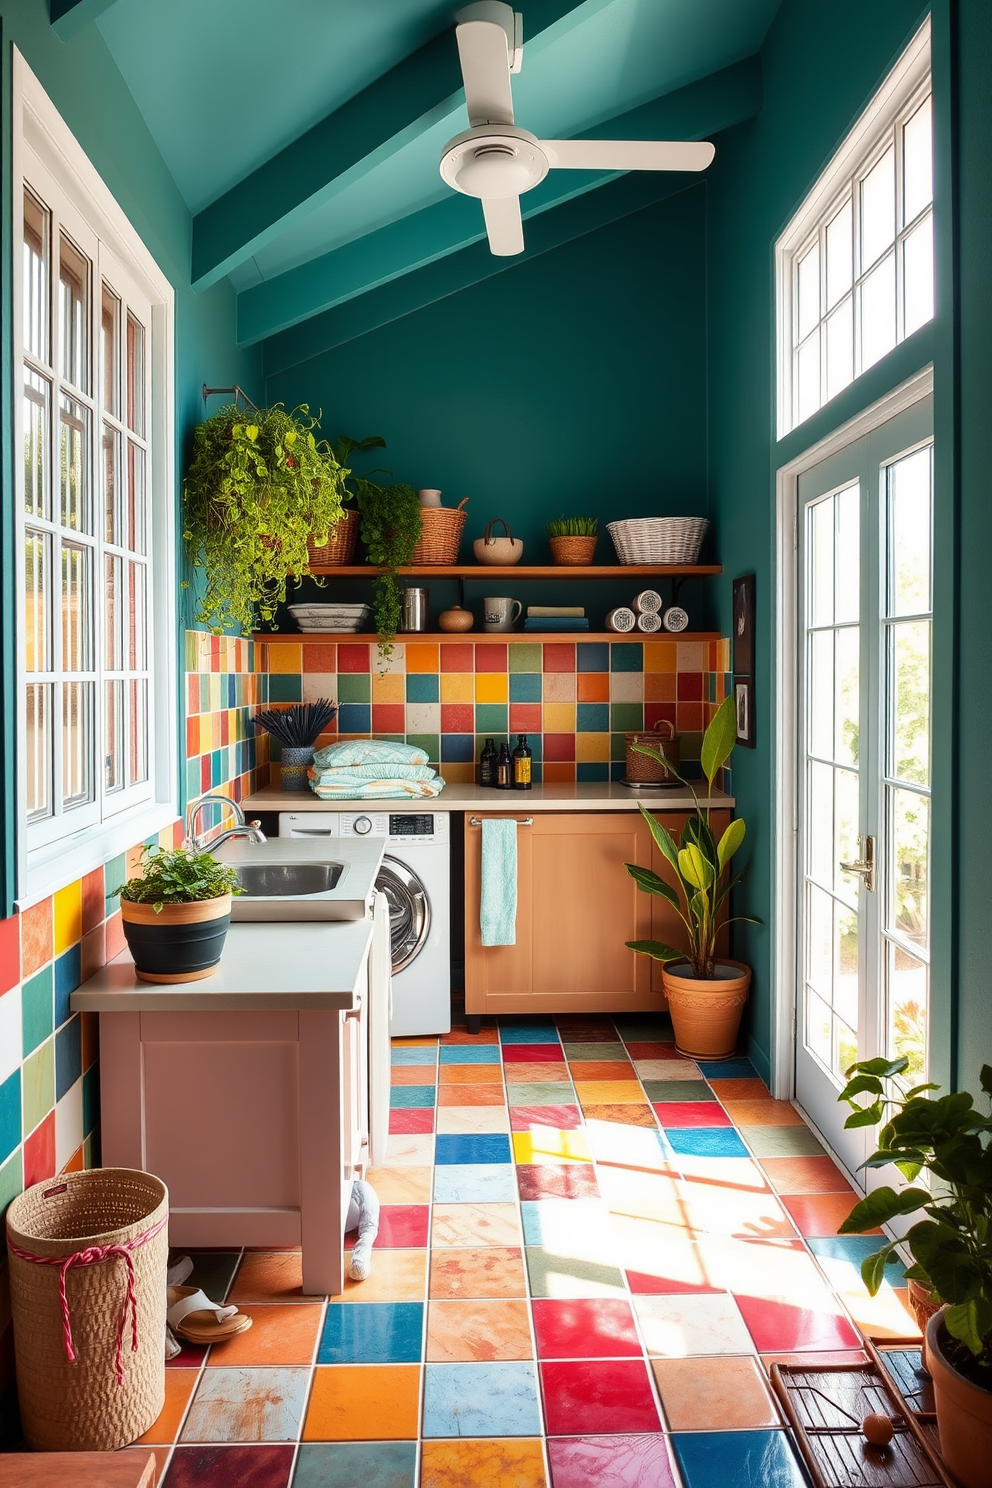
181, 943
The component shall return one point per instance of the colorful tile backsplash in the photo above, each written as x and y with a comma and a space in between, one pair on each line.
224, 686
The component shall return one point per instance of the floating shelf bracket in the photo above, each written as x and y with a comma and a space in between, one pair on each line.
239, 392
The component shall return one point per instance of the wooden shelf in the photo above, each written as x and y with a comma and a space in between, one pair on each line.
276, 637
519, 571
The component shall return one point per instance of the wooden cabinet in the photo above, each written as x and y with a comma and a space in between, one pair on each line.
576, 908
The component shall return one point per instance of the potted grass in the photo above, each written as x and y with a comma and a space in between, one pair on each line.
706, 992
947, 1141
572, 540
297, 728
176, 913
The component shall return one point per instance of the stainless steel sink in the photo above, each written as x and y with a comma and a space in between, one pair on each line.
285, 880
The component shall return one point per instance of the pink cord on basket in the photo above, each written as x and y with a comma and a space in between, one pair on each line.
90, 1257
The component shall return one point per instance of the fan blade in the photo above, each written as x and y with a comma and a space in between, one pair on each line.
667, 155
485, 63
504, 225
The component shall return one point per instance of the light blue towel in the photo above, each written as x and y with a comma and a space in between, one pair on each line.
498, 900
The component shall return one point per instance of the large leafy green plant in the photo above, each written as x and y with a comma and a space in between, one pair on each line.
946, 1138
259, 485
178, 876
700, 862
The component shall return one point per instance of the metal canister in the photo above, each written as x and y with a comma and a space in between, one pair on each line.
414, 614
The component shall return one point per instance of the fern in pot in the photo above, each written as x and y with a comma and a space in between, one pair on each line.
176, 913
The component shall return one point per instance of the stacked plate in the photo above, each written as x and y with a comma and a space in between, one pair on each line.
344, 619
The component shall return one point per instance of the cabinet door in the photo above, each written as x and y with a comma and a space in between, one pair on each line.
576, 906
665, 923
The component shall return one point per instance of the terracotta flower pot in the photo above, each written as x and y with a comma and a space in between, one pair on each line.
706, 1014
964, 1413
572, 552
182, 943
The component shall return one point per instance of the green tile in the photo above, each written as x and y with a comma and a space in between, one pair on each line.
190, 651
491, 718
582, 1053
690, 746
11, 1179
678, 1090
618, 747
548, 1093
115, 871
354, 687
38, 1085
627, 715
285, 687
626, 656
37, 1009
782, 1141
553, 1275
526, 657
430, 743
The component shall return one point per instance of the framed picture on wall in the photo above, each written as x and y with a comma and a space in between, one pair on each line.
744, 705
743, 662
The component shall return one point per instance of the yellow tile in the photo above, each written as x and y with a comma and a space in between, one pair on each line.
491, 687
68, 917
559, 718
543, 1144
660, 656
609, 1093
389, 687
457, 687
423, 656
460, 773
590, 747
287, 657
659, 687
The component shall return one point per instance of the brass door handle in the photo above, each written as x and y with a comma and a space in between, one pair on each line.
864, 866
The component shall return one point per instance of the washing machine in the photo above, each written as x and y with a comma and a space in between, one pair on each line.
416, 879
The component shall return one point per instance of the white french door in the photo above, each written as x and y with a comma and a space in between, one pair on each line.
864, 540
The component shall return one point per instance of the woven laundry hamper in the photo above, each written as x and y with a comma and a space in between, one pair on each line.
88, 1255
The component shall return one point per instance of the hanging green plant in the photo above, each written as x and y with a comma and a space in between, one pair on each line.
260, 483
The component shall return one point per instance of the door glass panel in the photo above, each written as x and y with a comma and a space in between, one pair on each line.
910, 672
847, 705
910, 835
845, 832
821, 678
909, 524
908, 984
821, 563
111, 484
74, 314
821, 823
35, 278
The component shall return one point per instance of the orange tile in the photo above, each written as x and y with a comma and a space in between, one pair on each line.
468, 1074
422, 656
559, 718
495, 1271
478, 1331
622, 1115
459, 772
491, 687
763, 1113
397, 1276
75, 1163
364, 1402
593, 748
413, 1043
696, 1393
412, 1074
740, 1090
471, 1095
94, 899
278, 1335
592, 687
558, 772
141, 1454
402, 1185
659, 687
286, 658
460, 1035
179, 1387
660, 656
269, 1276
609, 1093
535, 1074
467, 1464
603, 1069
475, 1224
806, 1175
36, 937
820, 1215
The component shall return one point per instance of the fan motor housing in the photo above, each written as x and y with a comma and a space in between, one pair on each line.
493, 161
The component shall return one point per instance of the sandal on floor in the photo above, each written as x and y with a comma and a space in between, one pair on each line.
194, 1317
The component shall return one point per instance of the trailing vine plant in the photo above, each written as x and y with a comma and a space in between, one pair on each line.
259, 485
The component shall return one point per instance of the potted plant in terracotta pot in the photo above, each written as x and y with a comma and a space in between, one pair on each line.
948, 1140
176, 914
572, 540
706, 992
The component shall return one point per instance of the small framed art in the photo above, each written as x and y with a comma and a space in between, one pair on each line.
744, 706
744, 625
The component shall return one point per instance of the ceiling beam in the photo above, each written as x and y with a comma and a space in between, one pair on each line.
369, 128
68, 17
700, 109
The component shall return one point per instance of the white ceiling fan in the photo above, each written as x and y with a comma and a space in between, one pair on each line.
496, 161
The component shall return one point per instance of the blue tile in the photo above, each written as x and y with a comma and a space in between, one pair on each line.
592, 656
852, 1250
592, 770
422, 687
68, 975
457, 748
475, 1183
738, 1459
403, 1097
627, 656
10, 1114
705, 1141
488, 1400
470, 1054
353, 718
372, 1333
376, 1464
518, 1031
728, 1069
414, 1056
288, 688
525, 687
592, 718
489, 1147
68, 1056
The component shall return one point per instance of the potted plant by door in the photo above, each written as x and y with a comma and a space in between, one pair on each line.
176, 914
948, 1140
706, 992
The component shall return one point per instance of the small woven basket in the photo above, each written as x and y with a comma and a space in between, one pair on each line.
340, 545
80, 1406
572, 552
658, 539
441, 534
644, 769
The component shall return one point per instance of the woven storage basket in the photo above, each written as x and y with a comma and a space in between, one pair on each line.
642, 768
80, 1406
441, 534
658, 539
340, 545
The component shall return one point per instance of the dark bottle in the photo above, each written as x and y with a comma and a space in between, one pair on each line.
487, 764
504, 768
522, 764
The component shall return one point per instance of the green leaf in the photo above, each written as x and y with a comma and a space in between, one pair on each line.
882, 1205
969, 1321
730, 842
859, 1085
864, 1116
719, 739
695, 869
986, 1078
651, 883
873, 1267
883, 1067
656, 949
918, 1090
662, 837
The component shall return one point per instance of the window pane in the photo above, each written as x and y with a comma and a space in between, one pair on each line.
840, 255
37, 599
109, 358
878, 312
113, 724
819, 940
909, 999
135, 375
135, 536
113, 641
845, 833
38, 763
910, 683
77, 743
74, 314
111, 485
821, 562
818, 1028
35, 270
917, 145
840, 348
909, 489
821, 694
820, 811
845, 997
848, 574
138, 710
917, 268
137, 659
808, 377
845, 1048
847, 708
77, 608
74, 461
37, 488
807, 292
878, 209
909, 828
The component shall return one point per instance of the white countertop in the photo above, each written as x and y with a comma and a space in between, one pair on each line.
264, 966
578, 796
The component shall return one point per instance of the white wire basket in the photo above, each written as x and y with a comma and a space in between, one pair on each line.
658, 539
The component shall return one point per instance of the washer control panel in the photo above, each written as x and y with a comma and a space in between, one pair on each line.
397, 826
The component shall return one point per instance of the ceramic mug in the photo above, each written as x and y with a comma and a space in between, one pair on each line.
498, 614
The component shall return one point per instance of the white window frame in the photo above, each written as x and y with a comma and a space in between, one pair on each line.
47, 859
895, 102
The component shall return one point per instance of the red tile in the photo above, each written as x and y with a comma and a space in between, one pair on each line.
192, 737
783, 1327
532, 1054
559, 656
457, 718
643, 1285
490, 658
406, 1123
388, 718
321, 656
39, 1152
616, 1461
191, 1356
559, 1118
655, 713
691, 1113
225, 728
10, 954
526, 718
689, 718
458, 656
586, 1328
260, 1465
557, 1181
403, 1227
205, 772
352, 657
559, 747
590, 1397
655, 1050
690, 687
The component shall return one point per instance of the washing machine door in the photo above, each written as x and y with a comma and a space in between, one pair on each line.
409, 911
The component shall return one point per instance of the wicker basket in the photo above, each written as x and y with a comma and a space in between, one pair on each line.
658, 539
572, 552
111, 1393
340, 545
441, 534
644, 769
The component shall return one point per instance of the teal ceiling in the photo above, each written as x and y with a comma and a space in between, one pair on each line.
226, 85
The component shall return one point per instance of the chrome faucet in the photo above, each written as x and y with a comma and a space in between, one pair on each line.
196, 843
